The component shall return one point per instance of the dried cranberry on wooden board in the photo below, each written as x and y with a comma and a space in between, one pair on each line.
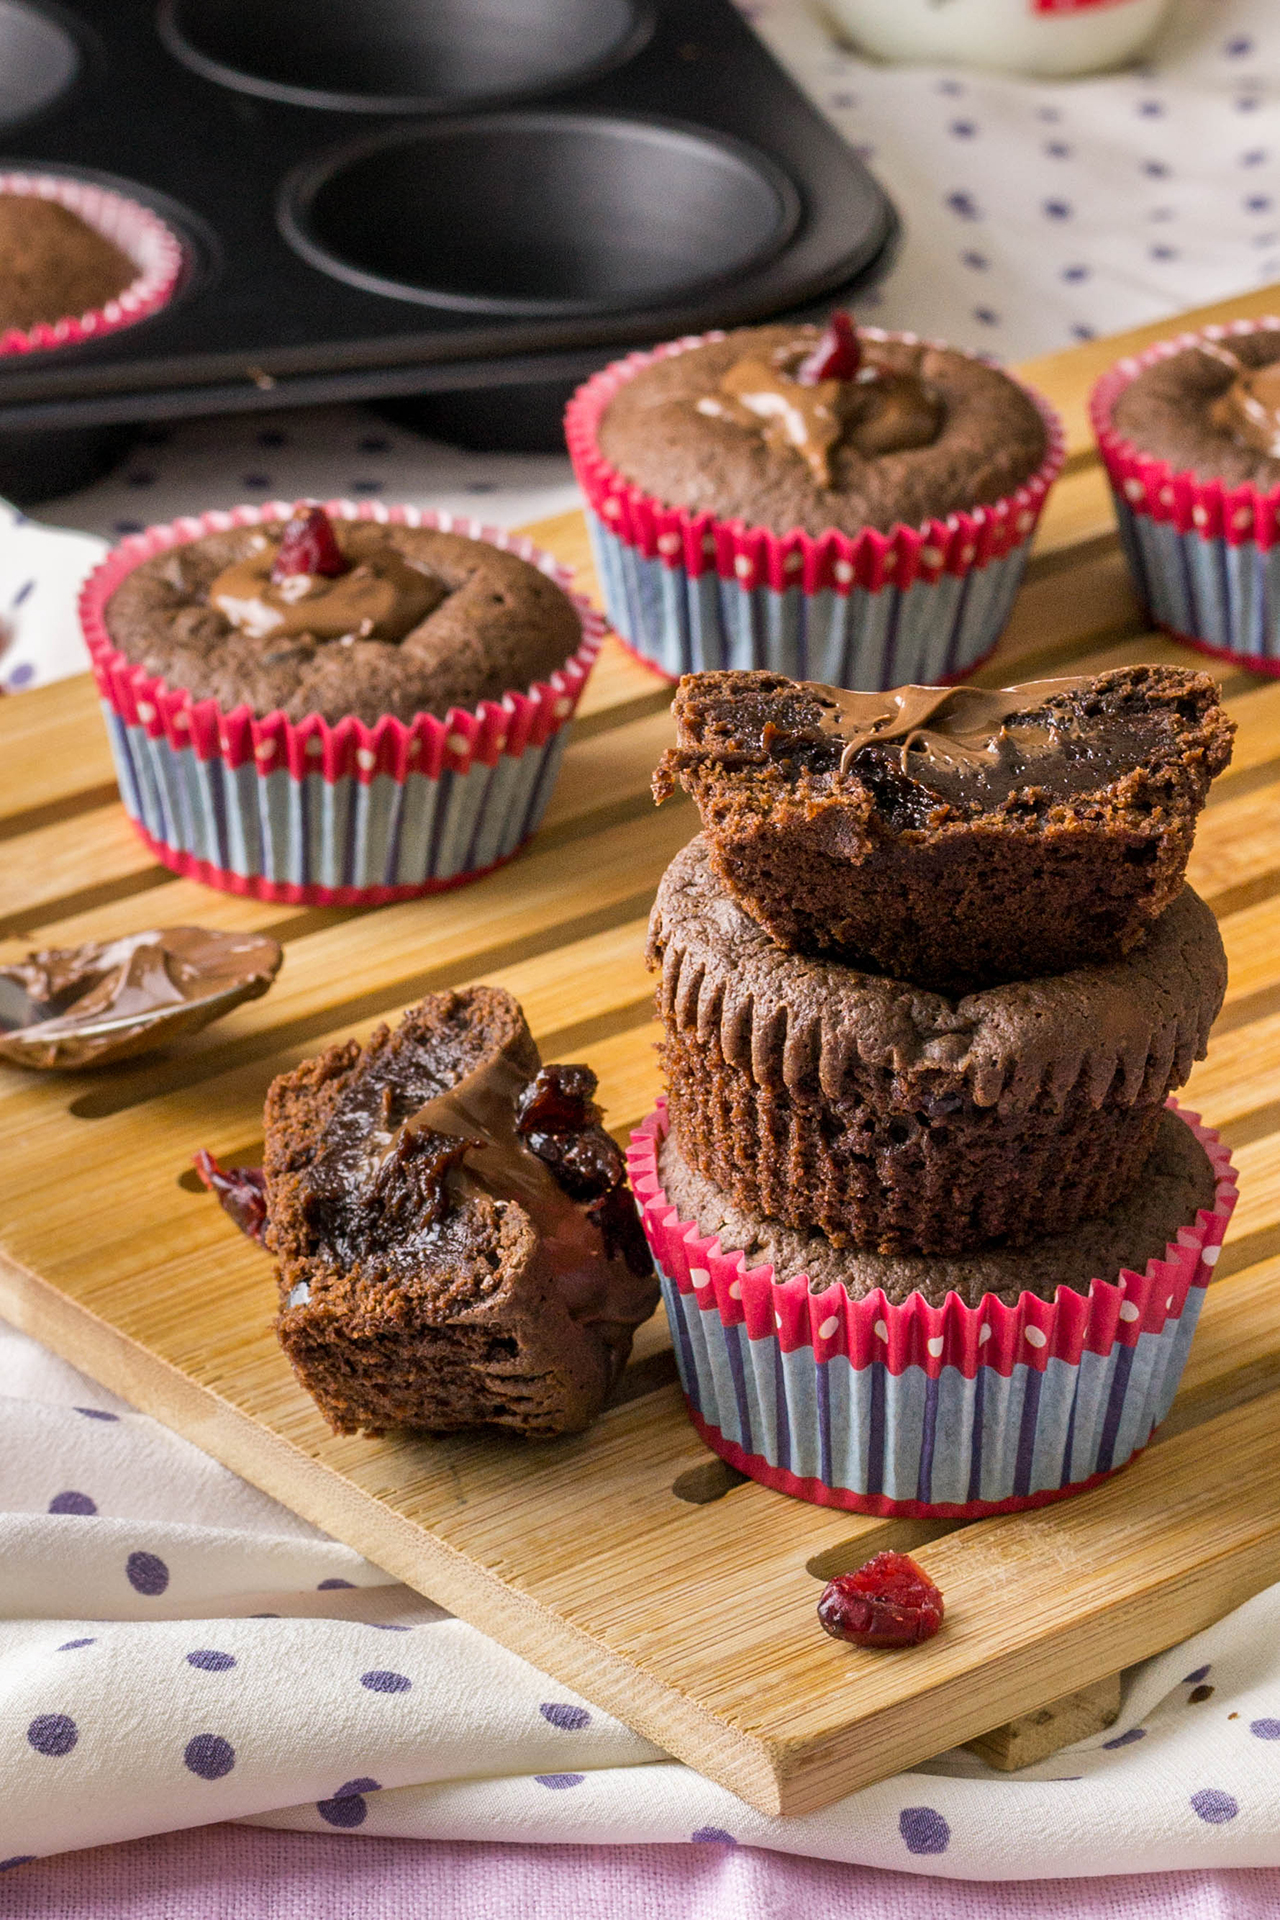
890, 1602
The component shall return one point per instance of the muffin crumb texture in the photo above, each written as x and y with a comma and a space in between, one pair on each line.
457, 1245
953, 837
1172, 410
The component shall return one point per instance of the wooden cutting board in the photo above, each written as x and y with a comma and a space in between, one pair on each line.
627, 1562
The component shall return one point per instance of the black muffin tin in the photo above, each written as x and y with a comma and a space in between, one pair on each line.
469, 203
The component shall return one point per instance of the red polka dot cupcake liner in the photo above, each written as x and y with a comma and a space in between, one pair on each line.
1205, 557
323, 814
140, 234
950, 1411
688, 592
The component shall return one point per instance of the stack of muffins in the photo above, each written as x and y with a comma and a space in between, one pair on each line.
931, 1239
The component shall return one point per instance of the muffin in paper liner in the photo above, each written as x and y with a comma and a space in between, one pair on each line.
142, 235
320, 813
1205, 556
952, 1411
689, 592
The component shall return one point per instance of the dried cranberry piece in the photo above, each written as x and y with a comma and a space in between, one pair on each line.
309, 545
586, 1164
242, 1192
558, 1120
891, 1602
837, 355
620, 1229
557, 1100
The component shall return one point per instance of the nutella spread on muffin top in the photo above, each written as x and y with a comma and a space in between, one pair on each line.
1212, 409
1249, 410
814, 399
292, 586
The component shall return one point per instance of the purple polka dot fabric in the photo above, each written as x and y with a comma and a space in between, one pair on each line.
560, 1713
924, 1830
146, 1573
72, 1502
1213, 1806
209, 1756
381, 1680
53, 1734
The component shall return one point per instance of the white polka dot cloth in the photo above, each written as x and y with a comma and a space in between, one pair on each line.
177, 1649
1041, 212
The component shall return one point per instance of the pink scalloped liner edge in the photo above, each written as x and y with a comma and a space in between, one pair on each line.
832, 561
1238, 515
915, 1334
153, 247
346, 748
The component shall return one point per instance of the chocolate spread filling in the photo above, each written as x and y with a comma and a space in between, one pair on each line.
396, 1166
875, 412
381, 596
1249, 410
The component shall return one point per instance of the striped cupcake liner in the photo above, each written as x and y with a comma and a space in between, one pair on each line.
154, 249
1205, 557
330, 815
950, 1411
688, 592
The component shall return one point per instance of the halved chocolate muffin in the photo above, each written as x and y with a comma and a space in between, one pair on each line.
456, 1239
954, 837
897, 1118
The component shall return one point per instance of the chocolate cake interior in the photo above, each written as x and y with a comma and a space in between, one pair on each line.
456, 1241
951, 836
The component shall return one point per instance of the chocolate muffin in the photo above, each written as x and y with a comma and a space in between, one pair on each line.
953, 837
899, 1119
359, 617
456, 1241
1212, 409
1175, 1182
749, 428
53, 264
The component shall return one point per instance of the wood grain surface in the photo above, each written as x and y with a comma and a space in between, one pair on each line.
625, 1561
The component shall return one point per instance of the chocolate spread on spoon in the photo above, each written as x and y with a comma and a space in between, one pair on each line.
84, 1006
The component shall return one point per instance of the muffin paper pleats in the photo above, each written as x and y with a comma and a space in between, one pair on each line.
688, 592
330, 814
953, 1411
1205, 557
155, 250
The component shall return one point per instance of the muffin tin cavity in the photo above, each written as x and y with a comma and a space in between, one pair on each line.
38, 62
541, 213
400, 56
462, 206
